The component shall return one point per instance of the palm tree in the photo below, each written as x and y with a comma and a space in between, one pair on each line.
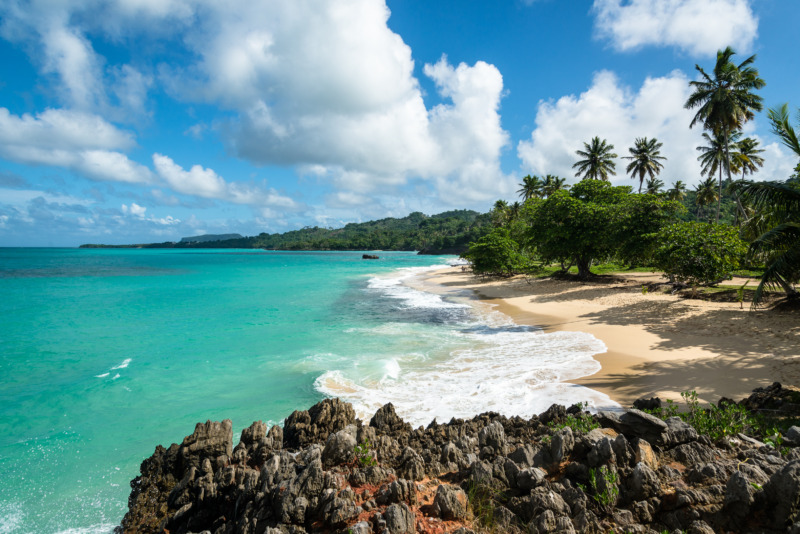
499, 213
713, 156
705, 194
645, 156
598, 160
746, 160
677, 192
513, 211
531, 187
776, 225
654, 186
553, 184
726, 101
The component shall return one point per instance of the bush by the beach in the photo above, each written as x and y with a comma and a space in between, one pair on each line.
695, 253
496, 254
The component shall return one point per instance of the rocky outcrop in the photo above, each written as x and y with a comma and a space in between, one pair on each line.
325, 471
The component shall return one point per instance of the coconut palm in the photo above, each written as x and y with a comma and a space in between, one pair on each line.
713, 155
598, 160
531, 187
746, 160
553, 184
499, 213
654, 186
705, 194
677, 192
725, 101
776, 225
645, 156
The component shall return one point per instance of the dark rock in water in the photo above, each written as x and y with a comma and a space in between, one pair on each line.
369, 257
634, 474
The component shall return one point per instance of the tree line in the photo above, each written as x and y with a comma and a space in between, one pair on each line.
593, 221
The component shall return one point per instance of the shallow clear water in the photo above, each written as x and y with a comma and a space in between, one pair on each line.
106, 353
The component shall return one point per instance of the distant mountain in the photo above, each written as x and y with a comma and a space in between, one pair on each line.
210, 237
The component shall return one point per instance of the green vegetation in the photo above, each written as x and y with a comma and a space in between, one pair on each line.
363, 454
597, 162
483, 499
725, 419
604, 489
581, 422
496, 254
645, 156
697, 253
448, 233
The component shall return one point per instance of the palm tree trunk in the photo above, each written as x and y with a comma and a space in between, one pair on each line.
727, 172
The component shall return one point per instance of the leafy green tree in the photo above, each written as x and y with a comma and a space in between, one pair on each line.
695, 253
598, 160
746, 159
594, 221
706, 194
496, 254
645, 156
677, 192
725, 100
531, 187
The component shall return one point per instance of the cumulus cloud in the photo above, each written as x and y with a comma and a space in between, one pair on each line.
134, 209
699, 27
206, 183
619, 114
310, 91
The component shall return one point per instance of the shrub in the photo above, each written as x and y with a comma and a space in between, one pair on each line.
695, 253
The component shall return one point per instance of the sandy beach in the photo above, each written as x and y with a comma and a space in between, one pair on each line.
658, 344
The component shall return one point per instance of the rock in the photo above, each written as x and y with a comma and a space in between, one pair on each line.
792, 436
398, 491
369, 257
644, 483
529, 478
302, 428
362, 527
339, 447
680, 432
637, 424
524, 455
209, 440
643, 452
653, 403
387, 421
400, 519
494, 437
783, 495
451, 503
700, 527
555, 412
411, 465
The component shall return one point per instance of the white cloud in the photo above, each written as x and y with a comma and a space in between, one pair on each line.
620, 115
60, 129
206, 183
310, 84
699, 27
135, 209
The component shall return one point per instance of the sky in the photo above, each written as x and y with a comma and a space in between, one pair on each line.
138, 121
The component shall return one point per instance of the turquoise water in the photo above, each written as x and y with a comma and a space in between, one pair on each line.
106, 353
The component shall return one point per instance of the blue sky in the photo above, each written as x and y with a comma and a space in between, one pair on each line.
136, 121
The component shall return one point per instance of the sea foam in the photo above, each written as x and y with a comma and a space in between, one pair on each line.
483, 362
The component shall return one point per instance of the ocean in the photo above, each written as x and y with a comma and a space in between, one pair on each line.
105, 353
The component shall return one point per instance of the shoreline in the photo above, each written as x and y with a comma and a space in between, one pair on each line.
657, 344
